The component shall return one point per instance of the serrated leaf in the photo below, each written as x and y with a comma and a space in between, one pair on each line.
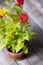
19, 46
12, 6
26, 37
13, 48
25, 49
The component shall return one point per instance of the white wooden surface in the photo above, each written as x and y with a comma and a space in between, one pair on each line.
32, 59
34, 13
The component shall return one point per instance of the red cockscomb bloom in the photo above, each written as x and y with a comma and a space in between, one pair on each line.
20, 2
24, 17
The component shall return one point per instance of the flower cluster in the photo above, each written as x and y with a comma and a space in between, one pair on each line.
3, 11
24, 17
14, 27
20, 2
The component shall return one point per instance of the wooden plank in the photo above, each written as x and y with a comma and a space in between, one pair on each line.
32, 58
40, 63
37, 42
23, 62
5, 60
37, 47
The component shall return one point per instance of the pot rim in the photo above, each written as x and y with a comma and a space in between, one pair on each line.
14, 53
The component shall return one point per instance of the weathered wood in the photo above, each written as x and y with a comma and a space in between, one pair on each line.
32, 59
35, 50
5, 60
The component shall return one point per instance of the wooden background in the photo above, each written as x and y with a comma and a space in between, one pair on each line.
35, 56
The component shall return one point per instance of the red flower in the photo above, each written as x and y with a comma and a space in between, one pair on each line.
24, 17
20, 2
1, 16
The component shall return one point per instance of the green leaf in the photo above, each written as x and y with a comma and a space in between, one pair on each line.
13, 48
31, 35
2, 45
26, 37
18, 9
12, 6
20, 45
8, 46
25, 49
7, 3
8, 18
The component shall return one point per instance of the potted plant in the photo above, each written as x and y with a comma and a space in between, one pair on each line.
14, 30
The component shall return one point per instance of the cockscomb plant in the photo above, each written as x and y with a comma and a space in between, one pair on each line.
14, 27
